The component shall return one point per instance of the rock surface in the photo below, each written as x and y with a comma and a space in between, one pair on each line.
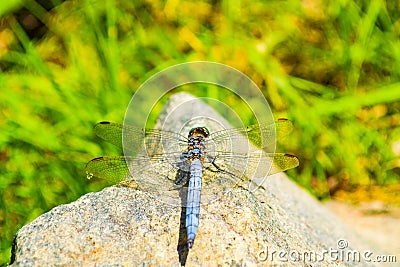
120, 226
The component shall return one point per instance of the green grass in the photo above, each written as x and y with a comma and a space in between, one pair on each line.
333, 69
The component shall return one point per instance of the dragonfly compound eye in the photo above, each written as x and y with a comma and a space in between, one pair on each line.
199, 131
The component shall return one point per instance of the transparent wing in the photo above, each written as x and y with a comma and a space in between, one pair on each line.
261, 135
111, 168
136, 139
159, 141
244, 167
156, 175
115, 168
227, 171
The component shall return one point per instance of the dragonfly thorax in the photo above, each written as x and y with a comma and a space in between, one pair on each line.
196, 147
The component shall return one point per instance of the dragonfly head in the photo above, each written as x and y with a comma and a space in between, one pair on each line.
199, 131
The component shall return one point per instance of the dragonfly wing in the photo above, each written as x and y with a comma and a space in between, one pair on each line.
159, 175
108, 168
111, 132
261, 135
136, 139
242, 168
283, 162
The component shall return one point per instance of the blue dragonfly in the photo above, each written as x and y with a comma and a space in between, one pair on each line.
204, 165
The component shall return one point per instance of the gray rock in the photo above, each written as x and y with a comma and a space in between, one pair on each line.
120, 226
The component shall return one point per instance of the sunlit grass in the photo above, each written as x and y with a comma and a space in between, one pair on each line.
333, 69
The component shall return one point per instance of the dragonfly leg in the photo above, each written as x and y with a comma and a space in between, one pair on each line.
218, 168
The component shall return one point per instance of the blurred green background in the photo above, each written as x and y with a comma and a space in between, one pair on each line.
332, 67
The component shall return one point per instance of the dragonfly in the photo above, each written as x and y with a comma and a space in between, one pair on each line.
202, 165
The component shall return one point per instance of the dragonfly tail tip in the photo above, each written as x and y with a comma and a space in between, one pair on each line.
190, 243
